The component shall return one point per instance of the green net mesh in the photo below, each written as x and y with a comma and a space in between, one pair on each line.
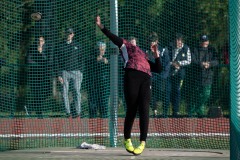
235, 118
64, 94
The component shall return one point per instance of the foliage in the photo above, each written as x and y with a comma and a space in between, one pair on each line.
136, 18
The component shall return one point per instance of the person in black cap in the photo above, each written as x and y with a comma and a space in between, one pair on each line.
180, 57
204, 61
160, 82
70, 67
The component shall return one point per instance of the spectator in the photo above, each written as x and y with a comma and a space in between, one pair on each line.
70, 67
37, 80
137, 85
160, 82
205, 59
180, 57
99, 95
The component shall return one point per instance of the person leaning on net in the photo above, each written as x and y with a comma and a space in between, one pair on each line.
160, 82
70, 67
137, 85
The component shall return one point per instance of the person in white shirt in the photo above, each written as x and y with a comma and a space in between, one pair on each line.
180, 57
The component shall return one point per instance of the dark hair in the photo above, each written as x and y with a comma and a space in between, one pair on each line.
132, 38
41, 36
153, 37
36, 39
179, 36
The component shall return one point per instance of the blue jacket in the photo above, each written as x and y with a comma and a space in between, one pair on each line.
165, 61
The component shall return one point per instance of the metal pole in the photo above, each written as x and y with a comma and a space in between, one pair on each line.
234, 13
113, 75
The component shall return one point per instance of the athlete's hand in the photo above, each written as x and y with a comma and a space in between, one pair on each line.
98, 22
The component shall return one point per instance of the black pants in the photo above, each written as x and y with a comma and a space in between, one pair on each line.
39, 89
137, 91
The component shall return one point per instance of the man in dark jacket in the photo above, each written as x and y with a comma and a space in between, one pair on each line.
204, 61
70, 67
160, 82
37, 75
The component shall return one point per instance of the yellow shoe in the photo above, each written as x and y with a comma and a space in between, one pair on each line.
128, 145
139, 149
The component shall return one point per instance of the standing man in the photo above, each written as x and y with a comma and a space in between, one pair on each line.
205, 59
37, 75
70, 67
180, 57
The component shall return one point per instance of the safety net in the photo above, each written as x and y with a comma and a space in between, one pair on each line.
61, 81
234, 76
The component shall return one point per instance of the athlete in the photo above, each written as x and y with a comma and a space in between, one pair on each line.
137, 85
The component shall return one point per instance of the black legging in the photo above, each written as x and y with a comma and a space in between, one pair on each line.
137, 94
137, 91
